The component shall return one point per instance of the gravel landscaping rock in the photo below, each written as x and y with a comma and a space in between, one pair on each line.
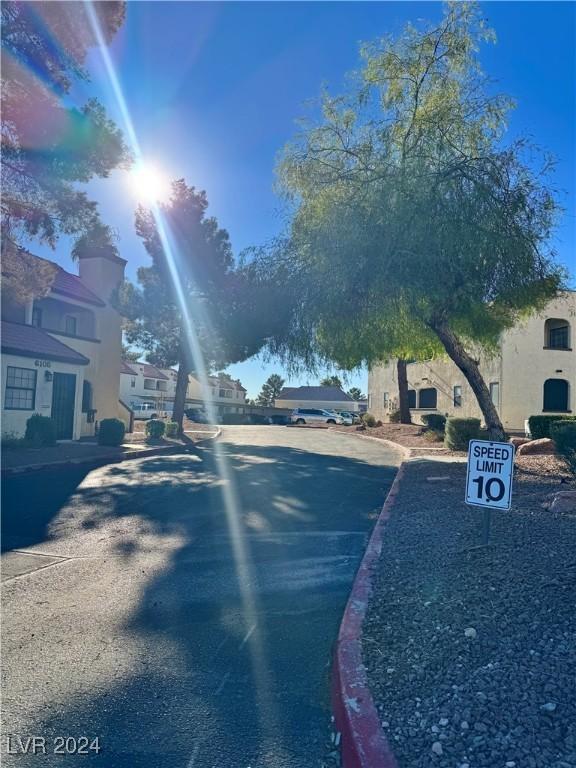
503, 694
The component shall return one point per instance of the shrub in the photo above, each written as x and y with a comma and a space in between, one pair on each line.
40, 430
369, 420
394, 417
435, 421
171, 429
540, 425
459, 432
433, 436
378, 423
563, 433
155, 428
111, 432
11, 441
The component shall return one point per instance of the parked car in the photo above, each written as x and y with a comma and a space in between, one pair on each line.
315, 416
347, 418
198, 415
145, 411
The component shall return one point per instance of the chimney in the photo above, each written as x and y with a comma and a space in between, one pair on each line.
101, 270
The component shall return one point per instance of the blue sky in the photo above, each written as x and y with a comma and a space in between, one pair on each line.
214, 90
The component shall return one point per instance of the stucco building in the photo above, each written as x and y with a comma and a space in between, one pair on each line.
533, 372
145, 383
61, 352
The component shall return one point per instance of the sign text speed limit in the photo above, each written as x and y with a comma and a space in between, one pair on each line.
489, 476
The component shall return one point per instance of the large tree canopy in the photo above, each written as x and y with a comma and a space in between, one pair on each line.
193, 284
49, 144
415, 229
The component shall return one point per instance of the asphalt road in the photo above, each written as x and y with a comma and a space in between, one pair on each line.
183, 609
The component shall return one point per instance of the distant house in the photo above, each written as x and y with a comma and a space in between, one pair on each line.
331, 398
145, 383
61, 351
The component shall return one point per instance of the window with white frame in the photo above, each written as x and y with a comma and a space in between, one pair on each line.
495, 393
457, 396
20, 389
70, 325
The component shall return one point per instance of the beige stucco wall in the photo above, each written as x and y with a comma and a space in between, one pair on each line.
521, 369
14, 422
102, 276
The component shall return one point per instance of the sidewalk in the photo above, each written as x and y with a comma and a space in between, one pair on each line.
73, 453
466, 649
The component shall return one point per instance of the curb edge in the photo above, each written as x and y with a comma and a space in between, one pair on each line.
102, 461
363, 743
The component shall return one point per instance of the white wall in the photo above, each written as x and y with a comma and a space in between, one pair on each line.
14, 422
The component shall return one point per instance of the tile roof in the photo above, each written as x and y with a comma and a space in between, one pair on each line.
29, 341
332, 394
214, 381
125, 368
67, 284
151, 372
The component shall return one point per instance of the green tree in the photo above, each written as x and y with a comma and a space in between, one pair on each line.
132, 355
416, 227
356, 394
49, 145
270, 390
331, 381
194, 281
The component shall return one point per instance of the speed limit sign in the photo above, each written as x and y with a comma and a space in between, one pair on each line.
489, 475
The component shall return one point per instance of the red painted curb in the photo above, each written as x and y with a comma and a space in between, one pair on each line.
363, 743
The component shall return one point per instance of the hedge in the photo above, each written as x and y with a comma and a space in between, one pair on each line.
563, 433
540, 425
459, 432
40, 430
111, 432
369, 420
155, 428
435, 421
171, 429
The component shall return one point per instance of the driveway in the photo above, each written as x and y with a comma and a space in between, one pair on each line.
182, 609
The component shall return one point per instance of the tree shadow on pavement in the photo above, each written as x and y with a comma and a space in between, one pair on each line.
235, 632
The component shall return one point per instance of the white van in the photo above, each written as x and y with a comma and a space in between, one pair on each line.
149, 411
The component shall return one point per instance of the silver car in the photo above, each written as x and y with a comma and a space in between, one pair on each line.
315, 416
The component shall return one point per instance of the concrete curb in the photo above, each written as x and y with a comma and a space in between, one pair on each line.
407, 452
101, 461
364, 744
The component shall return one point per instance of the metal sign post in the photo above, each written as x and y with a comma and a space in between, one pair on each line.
489, 478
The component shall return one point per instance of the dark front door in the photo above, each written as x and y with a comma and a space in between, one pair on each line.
63, 396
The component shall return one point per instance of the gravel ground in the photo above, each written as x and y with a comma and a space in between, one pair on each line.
408, 435
471, 651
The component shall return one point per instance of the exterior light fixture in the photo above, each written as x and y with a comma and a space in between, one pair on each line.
47, 375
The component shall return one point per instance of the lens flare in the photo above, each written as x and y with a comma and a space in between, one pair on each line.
194, 315
148, 184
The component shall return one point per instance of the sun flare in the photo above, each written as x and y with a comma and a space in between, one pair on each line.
149, 185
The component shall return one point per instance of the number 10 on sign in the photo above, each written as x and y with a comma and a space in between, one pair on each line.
489, 475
